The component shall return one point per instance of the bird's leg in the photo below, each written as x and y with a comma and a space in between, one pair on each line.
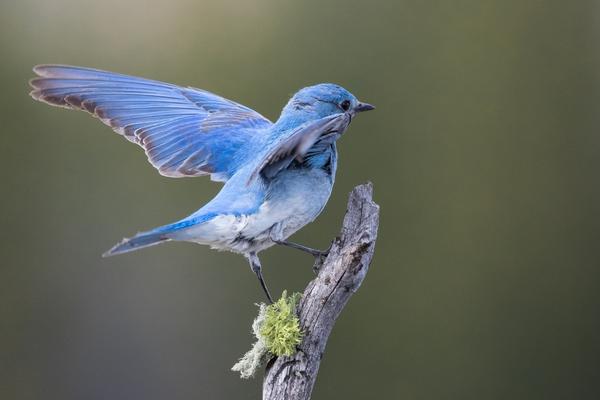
319, 255
314, 252
256, 268
276, 237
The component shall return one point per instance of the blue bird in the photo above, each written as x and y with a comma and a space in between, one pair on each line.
278, 176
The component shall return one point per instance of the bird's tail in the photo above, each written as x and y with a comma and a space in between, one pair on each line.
156, 236
137, 242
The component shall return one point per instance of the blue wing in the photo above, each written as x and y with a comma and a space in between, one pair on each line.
309, 138
184, 131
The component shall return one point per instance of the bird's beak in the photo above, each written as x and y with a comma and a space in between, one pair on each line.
360, 107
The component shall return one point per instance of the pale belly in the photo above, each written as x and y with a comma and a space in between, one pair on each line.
294, 199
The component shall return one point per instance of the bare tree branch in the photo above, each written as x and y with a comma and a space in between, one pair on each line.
339, 276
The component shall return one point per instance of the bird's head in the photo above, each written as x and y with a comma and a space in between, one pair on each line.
320, 101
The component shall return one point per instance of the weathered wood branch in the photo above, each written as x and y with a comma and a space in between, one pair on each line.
339, 276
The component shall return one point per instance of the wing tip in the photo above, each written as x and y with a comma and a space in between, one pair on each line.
65, 71
47, 70
39, 83
56, 101
38, 69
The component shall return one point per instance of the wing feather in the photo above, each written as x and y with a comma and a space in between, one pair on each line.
298, 143
184, 131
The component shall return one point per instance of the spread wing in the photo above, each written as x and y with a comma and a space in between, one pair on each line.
184, 131
297, 144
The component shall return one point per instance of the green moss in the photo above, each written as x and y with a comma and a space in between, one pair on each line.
280, 329
277, 331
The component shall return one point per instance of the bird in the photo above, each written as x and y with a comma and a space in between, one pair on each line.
277, 176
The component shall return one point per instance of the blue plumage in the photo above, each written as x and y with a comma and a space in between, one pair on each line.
278, 176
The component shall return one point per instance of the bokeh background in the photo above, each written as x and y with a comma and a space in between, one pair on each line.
485, 155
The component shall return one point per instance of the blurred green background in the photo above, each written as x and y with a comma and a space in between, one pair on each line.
485, 155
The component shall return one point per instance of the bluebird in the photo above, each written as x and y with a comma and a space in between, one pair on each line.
277, 176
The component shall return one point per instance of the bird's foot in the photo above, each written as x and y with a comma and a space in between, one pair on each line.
319, 255
319, 260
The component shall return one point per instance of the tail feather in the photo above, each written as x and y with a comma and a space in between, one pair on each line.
139, 241
156, 236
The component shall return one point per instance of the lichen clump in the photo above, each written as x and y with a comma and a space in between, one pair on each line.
277, 331
280, 329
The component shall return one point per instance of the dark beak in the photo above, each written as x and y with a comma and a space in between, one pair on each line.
360, 107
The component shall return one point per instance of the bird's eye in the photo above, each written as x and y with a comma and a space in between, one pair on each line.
345, 105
